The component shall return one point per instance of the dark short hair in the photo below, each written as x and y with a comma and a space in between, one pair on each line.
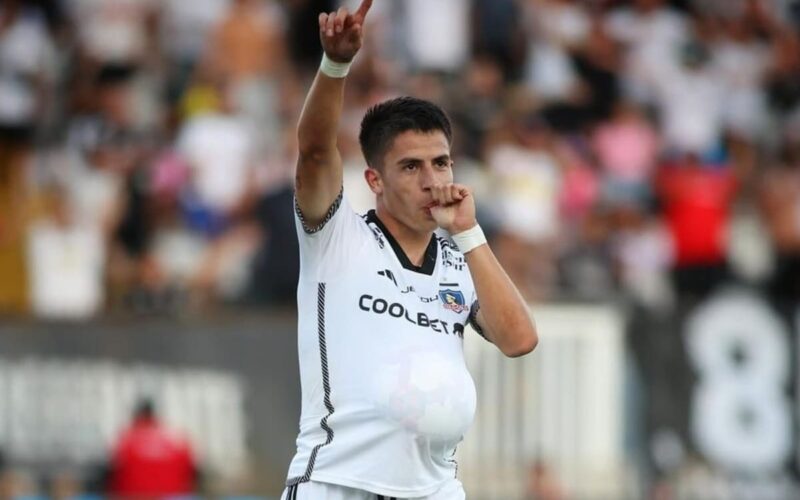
385, 121
145, 408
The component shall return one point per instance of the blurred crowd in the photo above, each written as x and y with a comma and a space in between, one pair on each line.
148, 460
647, 149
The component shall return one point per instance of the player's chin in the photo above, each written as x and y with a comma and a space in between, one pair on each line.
428, 223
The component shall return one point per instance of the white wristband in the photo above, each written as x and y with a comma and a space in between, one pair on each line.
332, 68
470, 239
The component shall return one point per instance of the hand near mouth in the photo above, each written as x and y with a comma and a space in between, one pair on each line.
453, 207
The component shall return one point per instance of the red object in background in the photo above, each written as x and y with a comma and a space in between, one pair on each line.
151, 461
696, 204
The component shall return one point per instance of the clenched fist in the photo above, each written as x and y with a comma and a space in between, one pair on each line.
454, 208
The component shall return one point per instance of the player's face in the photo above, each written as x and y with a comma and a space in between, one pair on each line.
415, 162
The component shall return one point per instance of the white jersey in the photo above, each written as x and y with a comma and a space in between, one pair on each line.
386, 395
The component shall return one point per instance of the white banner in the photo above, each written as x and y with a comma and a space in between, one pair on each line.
70, 412
553, 417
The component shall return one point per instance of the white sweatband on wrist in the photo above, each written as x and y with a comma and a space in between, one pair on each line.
332, 68
470, 239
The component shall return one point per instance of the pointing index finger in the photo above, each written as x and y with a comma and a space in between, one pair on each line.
361, 13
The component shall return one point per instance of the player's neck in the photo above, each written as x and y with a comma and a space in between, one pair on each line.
413, 243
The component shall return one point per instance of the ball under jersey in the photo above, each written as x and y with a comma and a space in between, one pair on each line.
386, 395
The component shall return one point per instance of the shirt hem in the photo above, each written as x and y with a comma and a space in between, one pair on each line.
377, 489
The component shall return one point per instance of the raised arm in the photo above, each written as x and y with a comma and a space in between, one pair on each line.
319, 166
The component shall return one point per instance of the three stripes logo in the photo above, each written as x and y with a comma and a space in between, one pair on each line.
389, 274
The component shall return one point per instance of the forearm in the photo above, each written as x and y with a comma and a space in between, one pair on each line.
318, 178
319, 120
503, 315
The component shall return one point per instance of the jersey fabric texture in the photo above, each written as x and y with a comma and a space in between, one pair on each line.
312, 490
386, 395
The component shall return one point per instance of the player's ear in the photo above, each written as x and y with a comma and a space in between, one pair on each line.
374, 180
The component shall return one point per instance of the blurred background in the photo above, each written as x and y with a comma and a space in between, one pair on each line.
636, 166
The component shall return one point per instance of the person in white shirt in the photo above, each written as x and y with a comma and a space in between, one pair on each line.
383, 302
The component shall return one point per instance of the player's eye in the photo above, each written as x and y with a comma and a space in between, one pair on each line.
410, 166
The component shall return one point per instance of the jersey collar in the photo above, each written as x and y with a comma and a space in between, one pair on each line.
429, 259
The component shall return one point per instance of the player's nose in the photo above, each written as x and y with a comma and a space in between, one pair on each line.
427, 176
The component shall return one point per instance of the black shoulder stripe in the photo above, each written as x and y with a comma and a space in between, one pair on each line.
472, 319
331, 211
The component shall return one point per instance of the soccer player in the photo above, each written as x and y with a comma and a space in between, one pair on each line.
383, 301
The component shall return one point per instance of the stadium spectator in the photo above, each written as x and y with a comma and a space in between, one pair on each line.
65, 484
476, 106
780, 203
303, 43
109, 185
275, 265
553, 29
696, 197
782, 83
141, 78
150, 461
543, 483
25, 49
437, 34
16, 483
689, 101
651, 32
185, 29
528, 172
585, 264
247, 51
66, 263
597, 63
220, 150
116, 32
643, 257
627, 148
498, 32
741, 58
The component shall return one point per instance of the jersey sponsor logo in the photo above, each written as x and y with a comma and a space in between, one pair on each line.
453, 300
377, 305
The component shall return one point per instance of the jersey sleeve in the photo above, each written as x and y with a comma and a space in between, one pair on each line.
475, 306
472, 319
328, 248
